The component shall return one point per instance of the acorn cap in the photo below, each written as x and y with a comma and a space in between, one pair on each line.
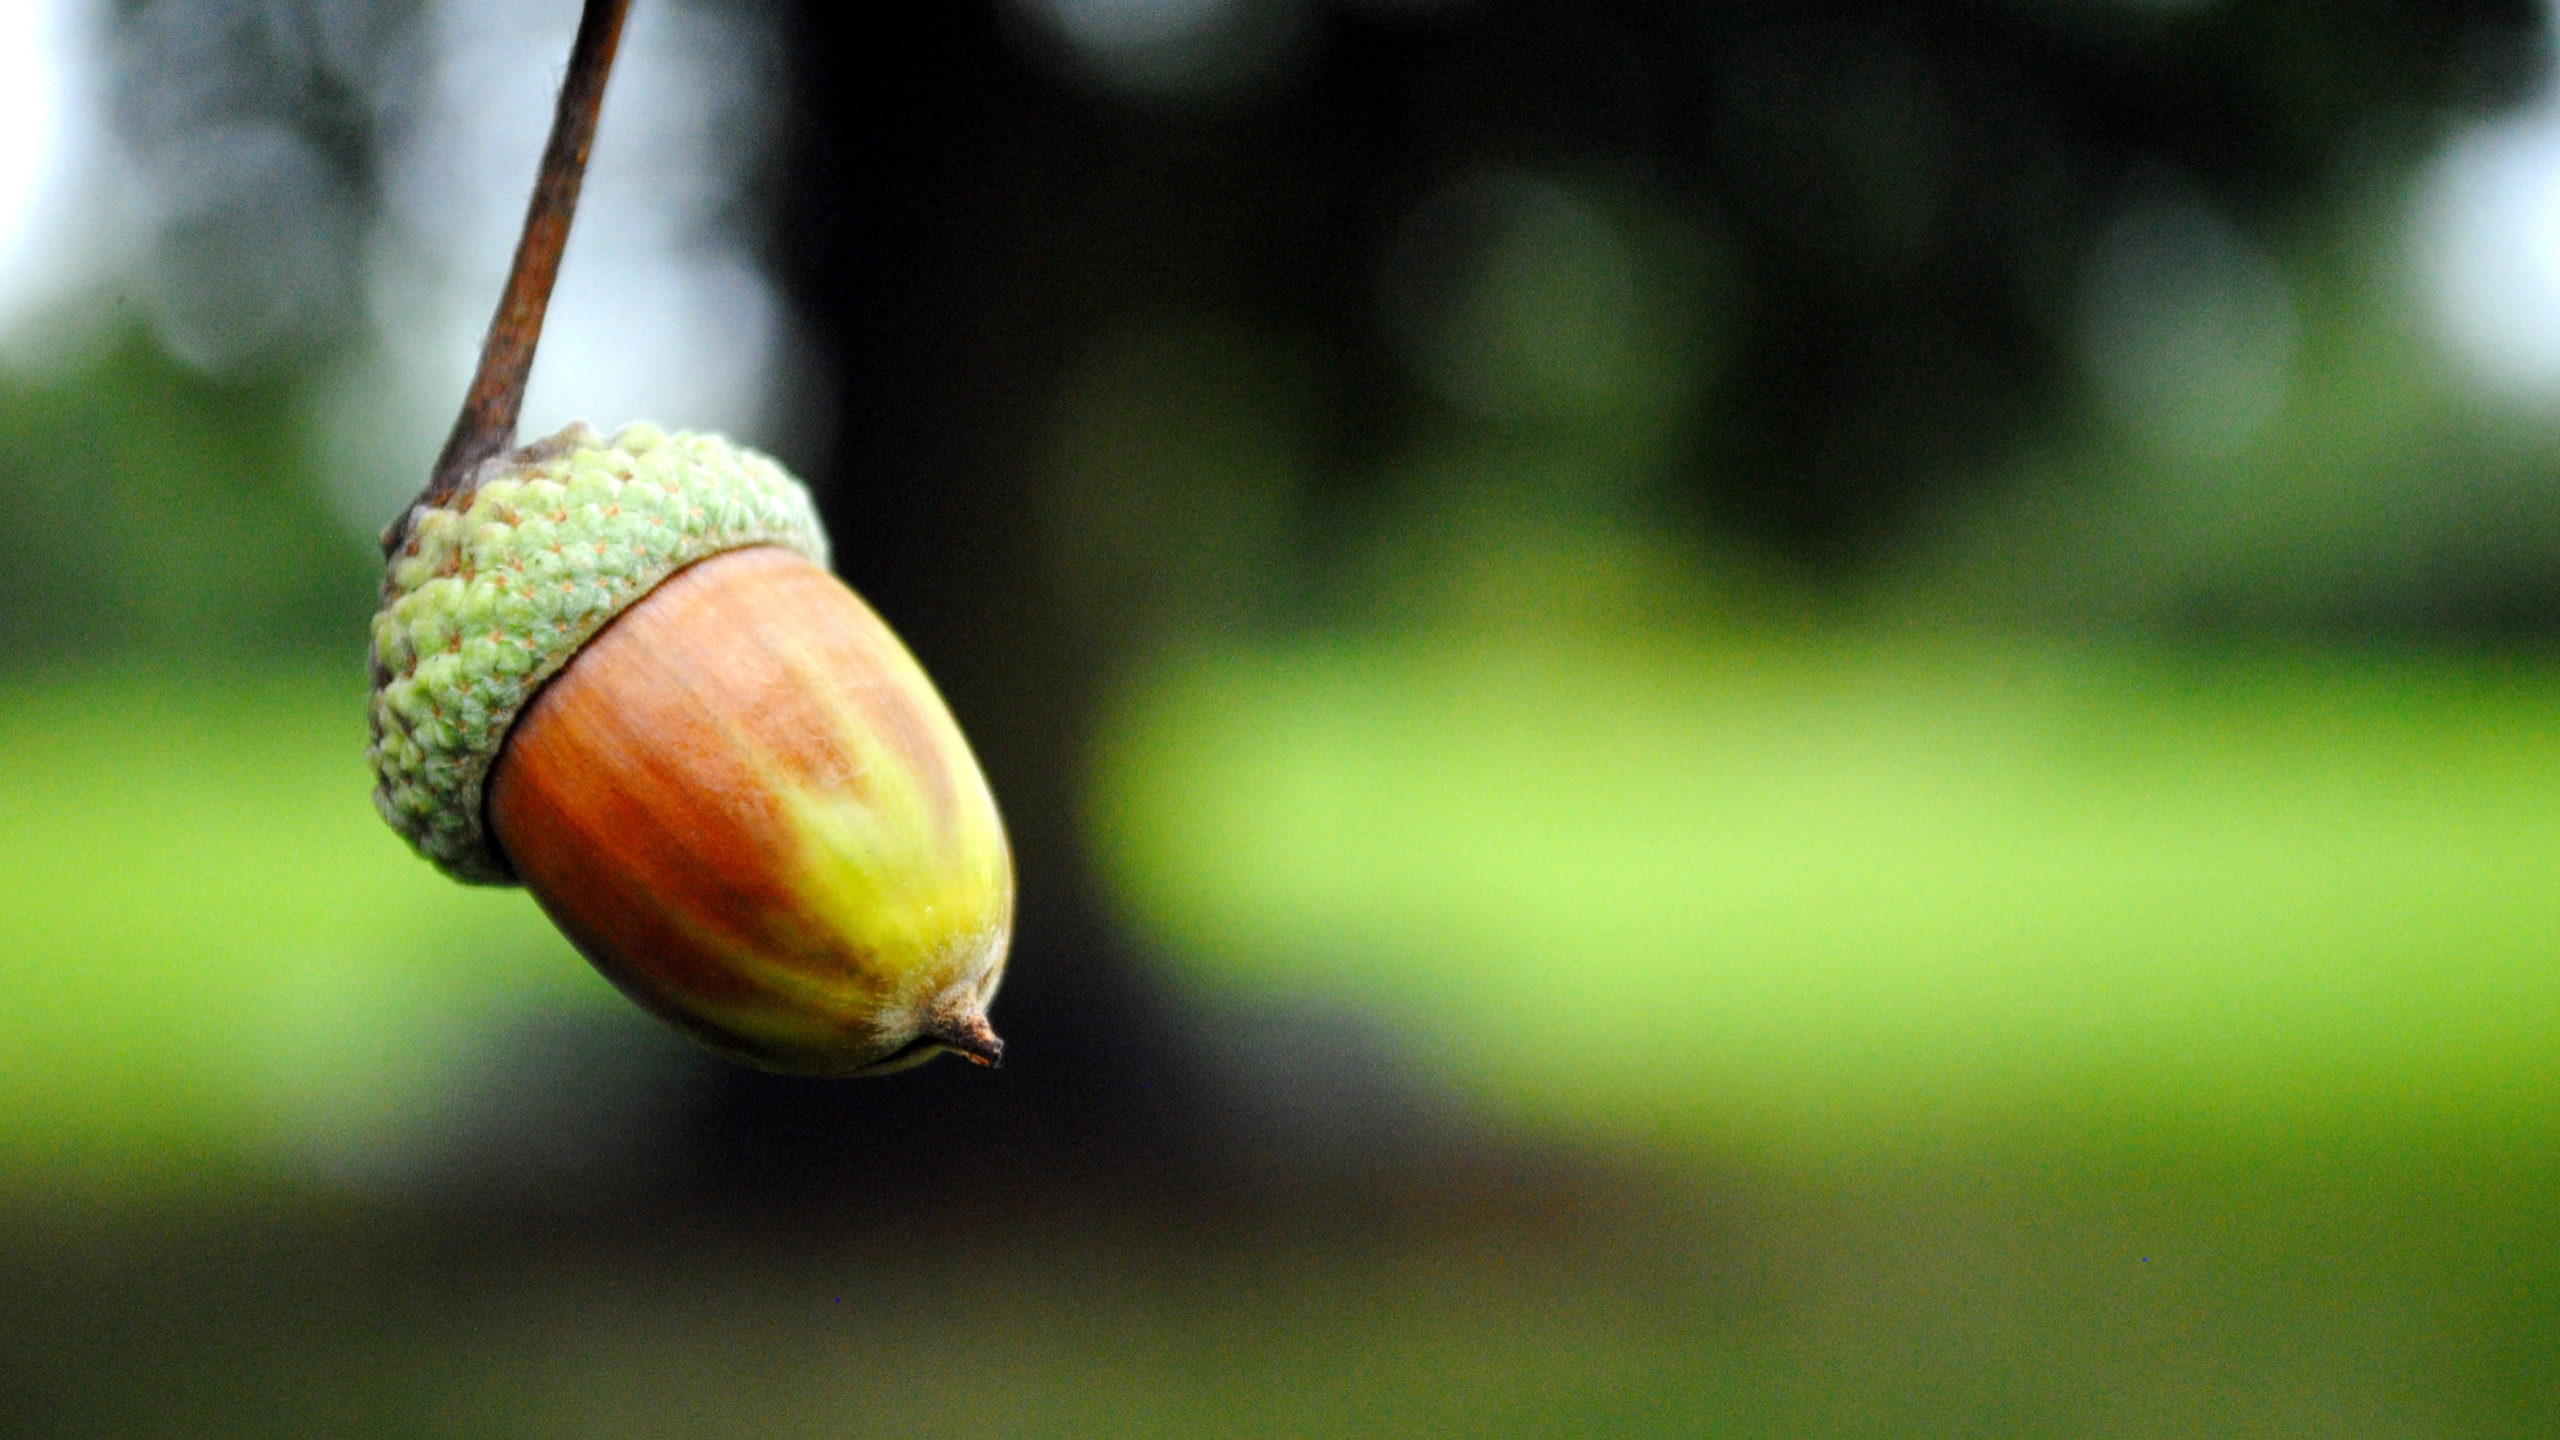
493, 592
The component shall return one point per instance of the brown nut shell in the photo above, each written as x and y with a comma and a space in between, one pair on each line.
745, 804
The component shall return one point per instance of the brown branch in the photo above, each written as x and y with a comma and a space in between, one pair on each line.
487, 425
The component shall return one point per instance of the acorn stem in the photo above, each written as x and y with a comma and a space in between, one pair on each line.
487, 424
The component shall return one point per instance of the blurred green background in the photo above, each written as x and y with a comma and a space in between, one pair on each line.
1746, 719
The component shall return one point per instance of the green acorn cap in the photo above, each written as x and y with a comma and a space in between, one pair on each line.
494, 591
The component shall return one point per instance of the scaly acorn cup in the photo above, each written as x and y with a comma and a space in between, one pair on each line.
621, 673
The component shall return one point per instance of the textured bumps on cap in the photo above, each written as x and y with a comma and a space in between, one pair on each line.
492, 592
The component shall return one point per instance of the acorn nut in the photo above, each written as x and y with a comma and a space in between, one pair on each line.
619, 672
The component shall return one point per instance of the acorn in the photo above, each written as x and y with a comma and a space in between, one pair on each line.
620, 672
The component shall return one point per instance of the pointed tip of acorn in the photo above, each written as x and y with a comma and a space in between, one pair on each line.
970, 1037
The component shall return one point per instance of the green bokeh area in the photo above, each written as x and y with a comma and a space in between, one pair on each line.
2121, 1040
1852, 895
219, 963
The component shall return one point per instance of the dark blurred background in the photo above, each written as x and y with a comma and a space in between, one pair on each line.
1719, 719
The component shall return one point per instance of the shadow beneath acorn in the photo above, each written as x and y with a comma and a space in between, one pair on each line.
1120, 1109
